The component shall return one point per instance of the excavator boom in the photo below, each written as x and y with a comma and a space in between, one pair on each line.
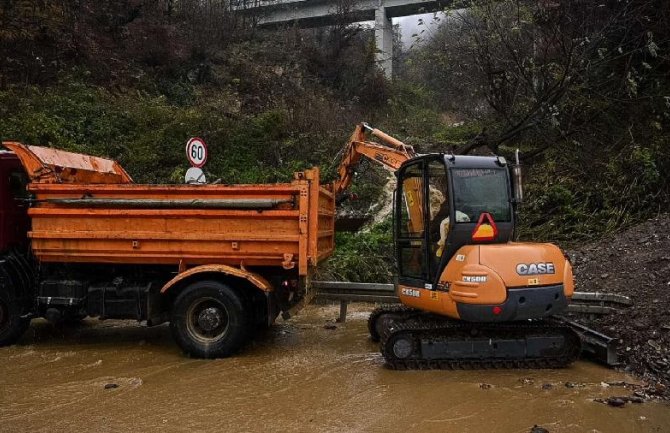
391, 153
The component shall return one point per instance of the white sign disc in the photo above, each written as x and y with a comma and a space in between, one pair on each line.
195, 176
196, 152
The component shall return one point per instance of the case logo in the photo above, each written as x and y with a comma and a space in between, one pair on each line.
535, 268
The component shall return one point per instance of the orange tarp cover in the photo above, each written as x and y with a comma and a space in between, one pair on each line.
46, 165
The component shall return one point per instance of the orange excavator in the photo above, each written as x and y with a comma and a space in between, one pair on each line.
471, 297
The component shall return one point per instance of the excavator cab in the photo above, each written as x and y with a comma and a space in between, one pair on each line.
471, 297
454, 224
442, 202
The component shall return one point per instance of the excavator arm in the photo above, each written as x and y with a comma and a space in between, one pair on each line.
390, 153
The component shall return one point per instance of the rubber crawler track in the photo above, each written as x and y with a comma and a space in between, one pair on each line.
446, 329
399, 309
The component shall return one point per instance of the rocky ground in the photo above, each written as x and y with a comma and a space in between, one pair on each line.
635, 263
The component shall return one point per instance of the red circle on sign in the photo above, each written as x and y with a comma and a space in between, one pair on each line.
196, 152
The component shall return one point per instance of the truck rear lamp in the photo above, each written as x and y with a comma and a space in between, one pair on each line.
290, 283
486, 229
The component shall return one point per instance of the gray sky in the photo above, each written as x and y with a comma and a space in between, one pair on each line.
410, 25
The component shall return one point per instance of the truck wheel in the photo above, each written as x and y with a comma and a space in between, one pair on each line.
12, 326
209, 320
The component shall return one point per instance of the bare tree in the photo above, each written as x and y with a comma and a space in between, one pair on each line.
545, 69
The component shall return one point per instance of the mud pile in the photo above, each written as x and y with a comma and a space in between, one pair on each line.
635, 263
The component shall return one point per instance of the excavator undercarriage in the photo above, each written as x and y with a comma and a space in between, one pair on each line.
413, 339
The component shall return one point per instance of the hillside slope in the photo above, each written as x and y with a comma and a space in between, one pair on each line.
635, 263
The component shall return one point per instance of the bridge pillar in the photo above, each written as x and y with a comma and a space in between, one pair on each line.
384, 41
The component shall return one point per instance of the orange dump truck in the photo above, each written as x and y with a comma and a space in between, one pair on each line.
216, 261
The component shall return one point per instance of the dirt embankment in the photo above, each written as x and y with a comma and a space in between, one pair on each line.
635, 263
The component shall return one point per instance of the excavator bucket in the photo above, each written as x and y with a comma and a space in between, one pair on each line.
46, 165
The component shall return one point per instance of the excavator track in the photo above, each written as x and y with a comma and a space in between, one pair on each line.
382, 316
442, 343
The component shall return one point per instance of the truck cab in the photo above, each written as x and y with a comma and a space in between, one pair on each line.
14, 221
16, 274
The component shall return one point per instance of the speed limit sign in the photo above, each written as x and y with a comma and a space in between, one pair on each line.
196, 152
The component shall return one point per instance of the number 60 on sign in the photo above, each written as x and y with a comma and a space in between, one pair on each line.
196, 152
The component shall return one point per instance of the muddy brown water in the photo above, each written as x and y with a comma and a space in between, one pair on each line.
298, 377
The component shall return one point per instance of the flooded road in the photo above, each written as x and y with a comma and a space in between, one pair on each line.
298, 377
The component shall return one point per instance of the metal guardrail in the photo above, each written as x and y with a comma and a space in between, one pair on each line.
582, 302
597, 302
356, 292
346, 292
597, 346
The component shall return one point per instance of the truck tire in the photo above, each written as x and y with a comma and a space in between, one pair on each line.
209, 320
12, 325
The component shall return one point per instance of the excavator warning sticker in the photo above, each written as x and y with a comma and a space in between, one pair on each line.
434, 296
460, 258
411, 292
533, 281
444, 285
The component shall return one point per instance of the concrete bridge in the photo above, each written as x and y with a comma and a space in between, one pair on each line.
316, 13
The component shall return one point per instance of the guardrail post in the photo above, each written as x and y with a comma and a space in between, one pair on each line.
343, 311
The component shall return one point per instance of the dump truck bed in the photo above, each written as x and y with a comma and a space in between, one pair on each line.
113, 220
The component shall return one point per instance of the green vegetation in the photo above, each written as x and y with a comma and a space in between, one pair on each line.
365, 256
146, 133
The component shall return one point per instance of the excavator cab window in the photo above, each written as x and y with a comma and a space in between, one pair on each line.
477, 186
478, 190
438, 212
410, 230
423, 219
